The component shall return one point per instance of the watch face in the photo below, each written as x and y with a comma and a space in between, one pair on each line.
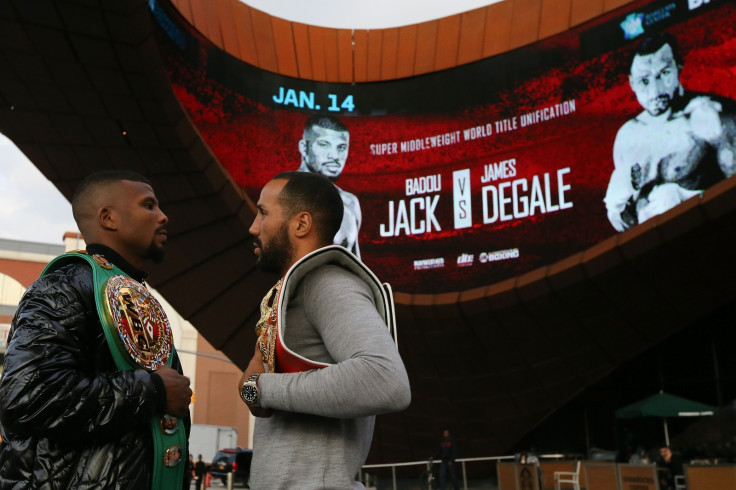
250, 393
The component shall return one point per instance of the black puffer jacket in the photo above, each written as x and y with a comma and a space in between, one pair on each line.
69, 418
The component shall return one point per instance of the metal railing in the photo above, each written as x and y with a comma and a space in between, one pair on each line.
462, 461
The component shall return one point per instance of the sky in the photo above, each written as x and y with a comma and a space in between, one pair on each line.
32, 209
354, 14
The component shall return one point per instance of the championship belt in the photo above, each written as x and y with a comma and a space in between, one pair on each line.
280, 357
139, 336
276, 359
266, 328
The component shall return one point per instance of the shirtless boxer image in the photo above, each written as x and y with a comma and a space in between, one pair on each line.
678, 146
324, 150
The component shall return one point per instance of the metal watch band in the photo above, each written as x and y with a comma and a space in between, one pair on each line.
249, 391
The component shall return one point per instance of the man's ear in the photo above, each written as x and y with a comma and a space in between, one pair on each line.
303, 145
107, 218
302, 224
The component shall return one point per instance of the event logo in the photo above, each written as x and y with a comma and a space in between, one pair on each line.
424, 264
633, 25
465, 260
511, 253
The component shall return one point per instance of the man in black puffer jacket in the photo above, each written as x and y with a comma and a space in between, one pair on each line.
70, 417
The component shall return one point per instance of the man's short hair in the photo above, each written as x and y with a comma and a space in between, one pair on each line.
315, 194
653, 43
323, 121
96, 182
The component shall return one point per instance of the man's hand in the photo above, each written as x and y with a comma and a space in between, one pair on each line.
178, 392
255, 366
614, 216
705, 118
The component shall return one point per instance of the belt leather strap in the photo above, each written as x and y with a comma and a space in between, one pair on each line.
169, 435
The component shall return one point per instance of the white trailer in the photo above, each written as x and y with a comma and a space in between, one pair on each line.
208, 439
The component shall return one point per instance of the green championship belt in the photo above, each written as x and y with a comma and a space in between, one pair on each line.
139, 337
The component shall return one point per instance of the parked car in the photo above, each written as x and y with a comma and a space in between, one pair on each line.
236, 461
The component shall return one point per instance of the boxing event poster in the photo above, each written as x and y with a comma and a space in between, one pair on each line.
467, 176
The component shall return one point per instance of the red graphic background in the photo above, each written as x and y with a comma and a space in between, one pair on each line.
254, 142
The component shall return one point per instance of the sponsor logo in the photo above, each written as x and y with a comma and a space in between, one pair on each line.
659, 14
465, 260
424, 264
511, 253
636, 23
633, 25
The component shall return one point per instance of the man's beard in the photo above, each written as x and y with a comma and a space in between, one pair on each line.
660, 105
316, 168
277, 257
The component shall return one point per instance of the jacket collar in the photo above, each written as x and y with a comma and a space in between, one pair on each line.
118, 260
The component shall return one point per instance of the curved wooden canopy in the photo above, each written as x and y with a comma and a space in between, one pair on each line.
368, 55
83, 88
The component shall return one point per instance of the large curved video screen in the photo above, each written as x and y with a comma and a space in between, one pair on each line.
469, 176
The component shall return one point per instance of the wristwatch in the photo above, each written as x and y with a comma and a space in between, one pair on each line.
249, 391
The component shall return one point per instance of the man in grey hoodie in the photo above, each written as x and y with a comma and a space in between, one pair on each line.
325, 363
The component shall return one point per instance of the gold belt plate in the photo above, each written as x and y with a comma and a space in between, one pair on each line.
140, 321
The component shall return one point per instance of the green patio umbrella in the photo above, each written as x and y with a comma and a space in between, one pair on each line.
665, 406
